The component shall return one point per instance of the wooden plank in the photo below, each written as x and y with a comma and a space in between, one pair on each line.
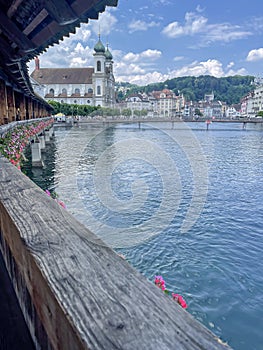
82, 290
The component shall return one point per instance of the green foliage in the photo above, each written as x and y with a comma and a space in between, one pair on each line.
127, 112
72, 109
198, 112
227, 89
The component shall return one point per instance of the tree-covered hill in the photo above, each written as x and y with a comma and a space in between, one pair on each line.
227, 89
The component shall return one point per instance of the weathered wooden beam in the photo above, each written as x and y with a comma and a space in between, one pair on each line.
13, 8
36, 21
76, 291
61, 11
14, 34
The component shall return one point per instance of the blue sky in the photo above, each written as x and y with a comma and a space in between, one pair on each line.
152, 41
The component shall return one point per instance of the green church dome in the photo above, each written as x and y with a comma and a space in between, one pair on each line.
108, 54
99, 47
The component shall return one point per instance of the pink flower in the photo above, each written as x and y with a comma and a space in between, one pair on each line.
48, 193
62, 204
159, 281
180, 300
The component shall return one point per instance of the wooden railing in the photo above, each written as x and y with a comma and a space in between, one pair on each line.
77, 293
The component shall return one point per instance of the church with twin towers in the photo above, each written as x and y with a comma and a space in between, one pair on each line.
94, 86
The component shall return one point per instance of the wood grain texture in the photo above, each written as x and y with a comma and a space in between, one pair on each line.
82, 287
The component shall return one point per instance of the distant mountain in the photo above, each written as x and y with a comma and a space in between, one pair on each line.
228, 89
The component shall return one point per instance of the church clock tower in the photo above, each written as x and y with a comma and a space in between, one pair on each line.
99, 75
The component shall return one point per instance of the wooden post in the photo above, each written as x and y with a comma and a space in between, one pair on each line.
11, 104
3, 110
22, 106
30, 108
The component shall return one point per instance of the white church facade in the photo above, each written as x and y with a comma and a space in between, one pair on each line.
94, 86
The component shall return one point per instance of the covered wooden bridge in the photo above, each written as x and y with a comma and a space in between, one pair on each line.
27, 28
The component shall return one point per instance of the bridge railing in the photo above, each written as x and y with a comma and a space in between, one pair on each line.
77, 293
7, 127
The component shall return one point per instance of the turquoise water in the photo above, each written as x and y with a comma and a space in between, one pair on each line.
177, 201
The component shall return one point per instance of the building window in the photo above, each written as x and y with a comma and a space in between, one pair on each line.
77, 91
90, 91
75, 101
51, 92
61, 101
99, 66
88, 101
64, 91
98, 90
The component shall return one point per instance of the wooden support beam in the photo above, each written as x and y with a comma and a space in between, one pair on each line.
14, 34
36, 21
13, 8
77, 293
61, 11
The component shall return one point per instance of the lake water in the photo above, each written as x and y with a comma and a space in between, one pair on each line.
177, 201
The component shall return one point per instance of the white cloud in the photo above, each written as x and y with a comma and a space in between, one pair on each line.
138, 25
224, 32
255, 55
209, 33
241, 71
105, 24
193, 24
145, 79
210, 67
230, 65
178, 58
199, 9
147, 54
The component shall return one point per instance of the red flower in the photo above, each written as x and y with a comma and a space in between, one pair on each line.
180, 300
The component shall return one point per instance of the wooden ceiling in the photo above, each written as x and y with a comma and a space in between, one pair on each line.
29, 27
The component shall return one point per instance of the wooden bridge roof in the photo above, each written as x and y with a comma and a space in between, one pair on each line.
29, 27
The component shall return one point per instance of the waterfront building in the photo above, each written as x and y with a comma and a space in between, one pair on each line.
252, 103
256, 104
212, 109
157, 103
94, 86
189, 110
231, 112
167, 104
139, 102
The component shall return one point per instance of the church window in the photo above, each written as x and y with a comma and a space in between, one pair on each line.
88, 101
99, 66
98, 90
64, 91
51, 92
77, 91
90, 91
